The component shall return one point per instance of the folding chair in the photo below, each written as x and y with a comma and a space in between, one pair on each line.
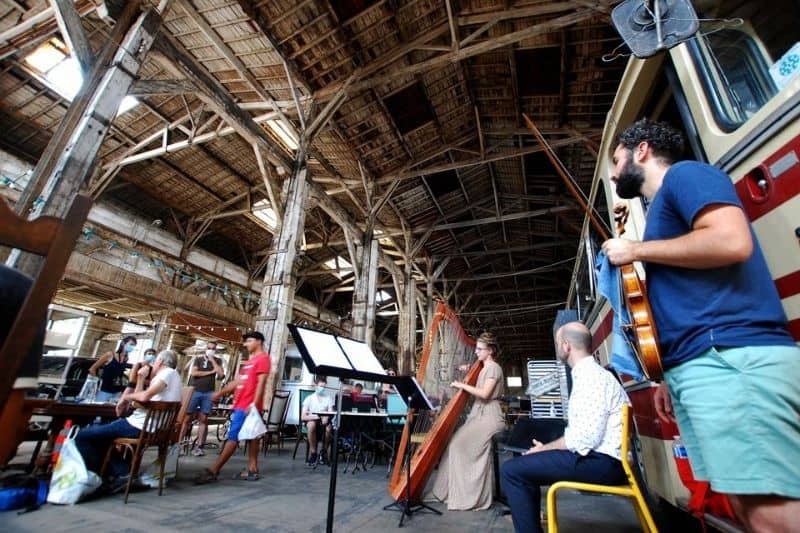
302, 432
630, 489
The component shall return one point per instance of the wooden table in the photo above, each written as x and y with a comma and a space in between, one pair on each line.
80, 414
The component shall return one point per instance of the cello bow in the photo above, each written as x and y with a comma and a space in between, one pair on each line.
642, 329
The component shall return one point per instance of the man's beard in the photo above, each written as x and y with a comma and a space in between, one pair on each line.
629, 181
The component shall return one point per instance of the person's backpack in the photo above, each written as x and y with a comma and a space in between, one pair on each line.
22, 491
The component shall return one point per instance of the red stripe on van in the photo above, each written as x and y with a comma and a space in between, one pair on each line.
603, 330
794, 329
788, 285
644, 413
779, 175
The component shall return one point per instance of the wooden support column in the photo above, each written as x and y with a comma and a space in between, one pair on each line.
277, 296
69, 158
161, 333
365, 290
407, 325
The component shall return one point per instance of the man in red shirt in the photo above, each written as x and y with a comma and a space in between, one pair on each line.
248, 391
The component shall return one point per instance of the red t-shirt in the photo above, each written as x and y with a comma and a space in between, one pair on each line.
248, 380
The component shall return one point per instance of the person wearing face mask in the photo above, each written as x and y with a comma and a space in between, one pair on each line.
205, 369
315, 403
123, 407
93, 441
113, 365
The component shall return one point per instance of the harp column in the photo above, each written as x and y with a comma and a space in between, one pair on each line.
365, 289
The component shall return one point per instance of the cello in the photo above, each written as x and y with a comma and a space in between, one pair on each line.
641, 331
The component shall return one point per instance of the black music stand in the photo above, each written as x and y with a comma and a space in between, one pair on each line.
342, 357
415, 398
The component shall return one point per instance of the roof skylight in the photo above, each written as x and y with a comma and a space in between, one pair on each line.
62, 72
265, 213
283, 133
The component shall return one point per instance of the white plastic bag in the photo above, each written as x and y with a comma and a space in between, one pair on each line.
149, 473
71, 481
253, 426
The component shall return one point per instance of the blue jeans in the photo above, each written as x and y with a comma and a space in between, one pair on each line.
107, 397
93, 442
523, 476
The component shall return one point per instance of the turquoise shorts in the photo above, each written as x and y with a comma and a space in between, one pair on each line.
738, 410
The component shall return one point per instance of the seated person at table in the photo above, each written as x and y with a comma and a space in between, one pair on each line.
123, 406
14, 416
316, 403
355, 394
93, 441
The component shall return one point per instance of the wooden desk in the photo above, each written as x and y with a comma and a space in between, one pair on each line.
80, 414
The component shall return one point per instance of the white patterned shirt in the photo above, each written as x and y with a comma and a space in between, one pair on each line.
595, 411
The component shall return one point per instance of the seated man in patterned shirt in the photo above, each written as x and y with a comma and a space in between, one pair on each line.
589, 451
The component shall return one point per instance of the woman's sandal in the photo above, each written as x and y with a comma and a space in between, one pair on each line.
247, 475
206, 476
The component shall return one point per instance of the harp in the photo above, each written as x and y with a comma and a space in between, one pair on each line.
427, 434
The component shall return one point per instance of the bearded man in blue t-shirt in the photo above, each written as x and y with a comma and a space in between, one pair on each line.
731, 368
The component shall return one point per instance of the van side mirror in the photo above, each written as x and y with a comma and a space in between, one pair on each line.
649, 26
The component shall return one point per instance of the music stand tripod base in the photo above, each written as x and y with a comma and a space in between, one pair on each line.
406, 508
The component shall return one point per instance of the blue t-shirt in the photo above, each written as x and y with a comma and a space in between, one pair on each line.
697, 309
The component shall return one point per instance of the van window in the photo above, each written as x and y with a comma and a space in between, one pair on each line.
292, 369
737, 65
737, 77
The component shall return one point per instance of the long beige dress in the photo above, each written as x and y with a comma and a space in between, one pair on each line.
466, 472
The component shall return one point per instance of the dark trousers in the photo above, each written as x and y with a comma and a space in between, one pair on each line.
93, 442
523, 476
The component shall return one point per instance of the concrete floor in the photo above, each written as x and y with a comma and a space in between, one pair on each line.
291, 497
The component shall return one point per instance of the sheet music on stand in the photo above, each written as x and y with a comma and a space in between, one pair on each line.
412, 393
333, 355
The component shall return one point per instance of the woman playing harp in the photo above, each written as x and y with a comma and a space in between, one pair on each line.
465, 477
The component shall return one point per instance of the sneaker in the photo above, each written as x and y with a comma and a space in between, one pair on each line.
323, 458
198, 452
312, 459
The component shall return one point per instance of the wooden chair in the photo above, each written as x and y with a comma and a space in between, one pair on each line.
630, 489
186, 397
276, 418
158, 430
53, 239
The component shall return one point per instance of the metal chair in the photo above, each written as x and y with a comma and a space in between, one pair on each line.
630, 490
302, 432
276, 418
158, 430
